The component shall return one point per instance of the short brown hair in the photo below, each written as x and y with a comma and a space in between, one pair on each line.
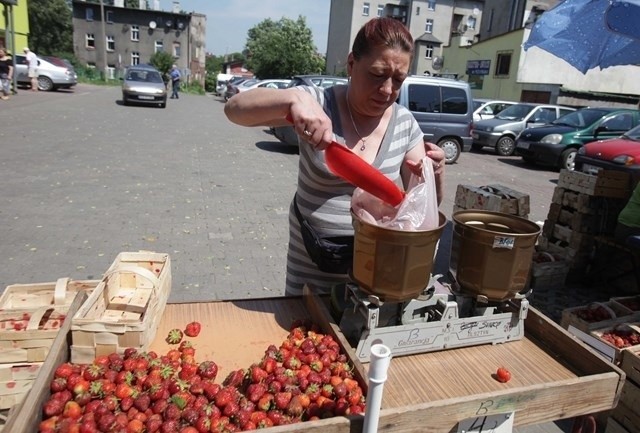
382, 32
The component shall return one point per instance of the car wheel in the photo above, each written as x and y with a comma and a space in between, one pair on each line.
163, 105
476, 146
568, 159
45, 83
451, 148
505, 146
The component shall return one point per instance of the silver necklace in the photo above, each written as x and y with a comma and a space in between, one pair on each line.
364, 142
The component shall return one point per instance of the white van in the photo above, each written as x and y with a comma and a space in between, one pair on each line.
221, 83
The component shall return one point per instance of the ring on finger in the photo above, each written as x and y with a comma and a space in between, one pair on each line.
307, 133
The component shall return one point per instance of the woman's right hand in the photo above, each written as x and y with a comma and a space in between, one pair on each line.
310, 121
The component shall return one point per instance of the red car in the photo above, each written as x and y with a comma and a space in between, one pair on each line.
621, 153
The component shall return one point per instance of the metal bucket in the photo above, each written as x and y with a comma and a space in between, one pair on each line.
492, 252
394, 265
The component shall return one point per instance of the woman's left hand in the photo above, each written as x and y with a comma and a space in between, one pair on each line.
436, 154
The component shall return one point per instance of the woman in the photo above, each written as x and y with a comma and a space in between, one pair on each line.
6, 74
364, 116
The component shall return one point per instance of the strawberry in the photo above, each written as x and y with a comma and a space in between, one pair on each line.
72, 410
186, 348
255, 391
190, 415
187, 371
208, 370
269, 364
153, 423
172, 412
188, 429
203, 424
126, 403
174, 337
107, 422
135, 426
231, 409
93, 372
58, 384
235, 378
210, 389
265, 402
192, 329
64, 370
159, 406
83, 399
225, 396
257, 374
282, 399
169, 426
142, 402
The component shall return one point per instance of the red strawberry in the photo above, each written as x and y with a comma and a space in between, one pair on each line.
142, 402
225, 396
295, 408
203, 424
159, 406
64, 370
107, 422
257, 374
153, 423
190, 415
187, 371
235, 378
265, 402
58, 384
210, 389
255, 391
83, 399
208, 370
71, 410
231, 409
172, 412
282, 399
269, 364
170, 426
174, 337
192, 329
126, 403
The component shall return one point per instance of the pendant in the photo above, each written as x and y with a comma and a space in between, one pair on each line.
363, 146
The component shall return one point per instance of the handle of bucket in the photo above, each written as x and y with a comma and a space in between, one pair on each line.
144, 273
60, 291
36, 317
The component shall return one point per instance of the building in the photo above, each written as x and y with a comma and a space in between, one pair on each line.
128, 36
20, 18
432, 24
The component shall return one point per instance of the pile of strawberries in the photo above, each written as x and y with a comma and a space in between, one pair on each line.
306, 378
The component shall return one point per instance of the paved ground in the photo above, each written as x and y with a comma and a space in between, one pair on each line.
83, 177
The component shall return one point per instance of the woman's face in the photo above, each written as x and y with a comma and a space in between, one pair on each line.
376, 79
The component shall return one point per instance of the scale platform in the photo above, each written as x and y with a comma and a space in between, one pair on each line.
437, 320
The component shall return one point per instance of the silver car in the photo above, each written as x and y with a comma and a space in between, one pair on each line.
143, 84
53, 73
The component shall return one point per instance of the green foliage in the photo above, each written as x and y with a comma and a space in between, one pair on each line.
50, 26
282, 48
192, 88
213, 64
210, 81
162, 61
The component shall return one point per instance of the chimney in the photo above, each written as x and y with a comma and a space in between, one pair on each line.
156, 5
142, 4
176, 7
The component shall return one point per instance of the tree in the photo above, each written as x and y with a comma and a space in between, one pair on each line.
50, 28
282, 49
163, 62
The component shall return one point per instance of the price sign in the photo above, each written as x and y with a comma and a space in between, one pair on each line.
500, 423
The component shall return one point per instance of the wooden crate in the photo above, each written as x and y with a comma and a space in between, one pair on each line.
582, 222
554, 376
626, 413
494, 197
631, 365
33, 296
630, 302
607, 183
125, 308
620, 314
609, 350
548, 274
16, 381
587, 204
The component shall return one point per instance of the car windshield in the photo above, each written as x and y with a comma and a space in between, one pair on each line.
144, 76
633, 134
249, 83
477, 104
580, 118
515, 112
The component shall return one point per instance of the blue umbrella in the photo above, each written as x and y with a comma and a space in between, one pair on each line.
590, 33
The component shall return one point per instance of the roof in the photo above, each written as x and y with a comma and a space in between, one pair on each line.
428, 37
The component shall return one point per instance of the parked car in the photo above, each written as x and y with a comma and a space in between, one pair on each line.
488, 108
621, 153
143, 84
231, 88
500, 132
442, 107
221, 83
272, 83
53, 73
556, 144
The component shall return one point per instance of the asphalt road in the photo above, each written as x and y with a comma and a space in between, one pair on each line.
83, 177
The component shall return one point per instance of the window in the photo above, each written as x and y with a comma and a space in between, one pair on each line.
380, 10
503, 63
431, 5
365, 9
135, 58
471, 23
90, 40
88, 14
111, 72
176, 49
111, 43
159, 46
418, 10
424, 99
110, 17
544, 115
428, 54
620, 122
135, 33
428, 26
454, 101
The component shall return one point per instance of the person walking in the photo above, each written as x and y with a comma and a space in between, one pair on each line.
32, 64
175, 81
364, 117
6, 74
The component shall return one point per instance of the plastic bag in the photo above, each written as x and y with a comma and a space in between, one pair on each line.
418, 210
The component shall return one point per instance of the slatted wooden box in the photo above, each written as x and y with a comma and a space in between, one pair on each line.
15, 382
574, 316
34, 296
498, 198
125, 308
607, 183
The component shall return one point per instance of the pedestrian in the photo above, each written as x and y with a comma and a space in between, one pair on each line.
6, 74
175, 81
628, 223
364, 117
32, 64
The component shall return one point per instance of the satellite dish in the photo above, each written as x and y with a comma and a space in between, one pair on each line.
152, 24
169, 23
180, 25
437, 63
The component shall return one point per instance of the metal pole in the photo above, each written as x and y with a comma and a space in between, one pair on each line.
104, 40
12, 33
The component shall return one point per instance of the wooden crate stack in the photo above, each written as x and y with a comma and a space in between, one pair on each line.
125, 308
30, 318
625, 418
583, 206
497, 198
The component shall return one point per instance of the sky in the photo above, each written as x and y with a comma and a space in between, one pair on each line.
228, 21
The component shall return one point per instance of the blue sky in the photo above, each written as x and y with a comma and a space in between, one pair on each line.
229, 20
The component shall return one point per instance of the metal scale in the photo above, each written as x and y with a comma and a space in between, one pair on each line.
440, 318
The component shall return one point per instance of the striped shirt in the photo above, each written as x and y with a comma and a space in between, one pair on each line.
324, 200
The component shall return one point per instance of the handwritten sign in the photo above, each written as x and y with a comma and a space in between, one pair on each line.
507, 242
500, 423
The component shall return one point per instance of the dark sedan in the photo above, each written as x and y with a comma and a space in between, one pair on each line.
556, 144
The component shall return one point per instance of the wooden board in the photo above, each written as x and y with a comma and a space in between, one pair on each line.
442, 387
607, 183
